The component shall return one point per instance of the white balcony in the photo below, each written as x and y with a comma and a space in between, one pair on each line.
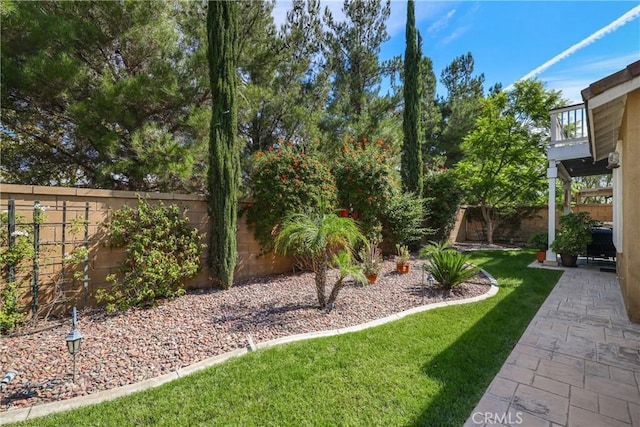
569, 137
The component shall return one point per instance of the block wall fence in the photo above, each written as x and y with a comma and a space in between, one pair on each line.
536, 219
103, 259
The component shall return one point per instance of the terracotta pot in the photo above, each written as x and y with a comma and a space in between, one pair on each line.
372, 278
569, 260
541, 256
402, 268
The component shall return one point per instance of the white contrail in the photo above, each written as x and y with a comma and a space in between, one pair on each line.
627, 17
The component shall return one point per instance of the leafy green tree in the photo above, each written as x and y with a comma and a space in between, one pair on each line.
103, 94
224, 160
411, 169
320, 235
504, 160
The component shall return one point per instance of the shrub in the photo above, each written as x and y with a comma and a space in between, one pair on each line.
539, 240
22, 250
161, 252
448, 266
365, 178
283, 181
443, 195
575, 234
10, 315
402, 219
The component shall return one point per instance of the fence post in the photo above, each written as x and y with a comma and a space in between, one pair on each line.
36, 256
12, 237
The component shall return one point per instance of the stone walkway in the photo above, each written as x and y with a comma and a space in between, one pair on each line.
577, 364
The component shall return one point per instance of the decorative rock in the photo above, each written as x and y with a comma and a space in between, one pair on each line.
143, 343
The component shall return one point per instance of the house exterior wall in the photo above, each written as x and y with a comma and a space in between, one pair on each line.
629, 257
104, 260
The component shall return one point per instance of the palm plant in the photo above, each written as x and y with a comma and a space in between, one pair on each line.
343, 262
434, 247
319, 235
448, 266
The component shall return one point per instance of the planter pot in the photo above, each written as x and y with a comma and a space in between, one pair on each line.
541, 256
569, 260
402, 268
372, 278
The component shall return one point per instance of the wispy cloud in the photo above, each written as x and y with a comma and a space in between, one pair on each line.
574, 79
441, 23
424, 10
458, 32
624, 19
607, 64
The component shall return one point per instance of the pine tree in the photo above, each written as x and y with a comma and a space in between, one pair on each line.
224, 161
125, 105
411, 150
355, 107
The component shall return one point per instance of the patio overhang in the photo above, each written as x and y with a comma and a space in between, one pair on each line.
604, 102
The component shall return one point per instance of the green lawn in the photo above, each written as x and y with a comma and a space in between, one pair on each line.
428, 369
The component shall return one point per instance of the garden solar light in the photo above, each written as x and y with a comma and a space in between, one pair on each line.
8, 377
74, 338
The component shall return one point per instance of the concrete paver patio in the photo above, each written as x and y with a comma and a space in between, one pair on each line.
577, 364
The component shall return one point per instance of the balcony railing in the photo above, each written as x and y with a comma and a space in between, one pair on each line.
568, 126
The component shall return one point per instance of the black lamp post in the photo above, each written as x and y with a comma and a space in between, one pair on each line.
74, 338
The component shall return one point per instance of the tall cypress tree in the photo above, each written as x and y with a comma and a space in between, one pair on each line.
224, 160
411, 150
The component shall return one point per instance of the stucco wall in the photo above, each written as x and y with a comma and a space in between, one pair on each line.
104, 260
629, 259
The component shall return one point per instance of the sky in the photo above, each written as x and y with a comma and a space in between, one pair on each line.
566, 44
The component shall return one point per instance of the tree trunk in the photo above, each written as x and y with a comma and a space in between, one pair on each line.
224, 160
321, 280
488, 219
334, 293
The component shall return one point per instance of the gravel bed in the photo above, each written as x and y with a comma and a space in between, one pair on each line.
138, 344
